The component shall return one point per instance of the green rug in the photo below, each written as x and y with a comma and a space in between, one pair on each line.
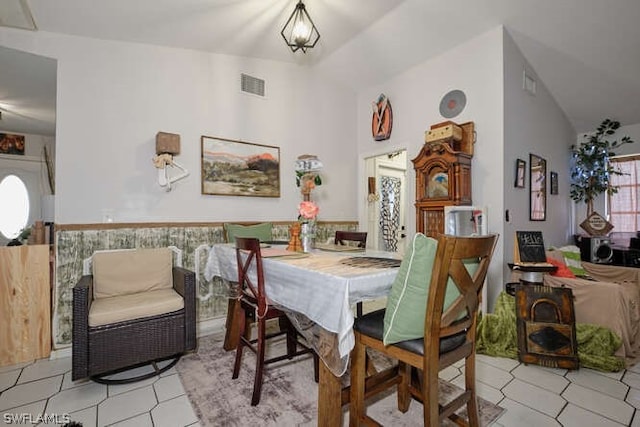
497, 336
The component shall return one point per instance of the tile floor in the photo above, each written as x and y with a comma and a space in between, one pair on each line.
531, 395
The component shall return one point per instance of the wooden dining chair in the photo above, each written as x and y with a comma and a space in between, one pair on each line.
256, 308
449, 336
352, 236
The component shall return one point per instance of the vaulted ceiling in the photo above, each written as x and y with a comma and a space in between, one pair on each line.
587, 52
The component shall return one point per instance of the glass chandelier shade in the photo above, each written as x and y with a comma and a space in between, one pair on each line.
299, 32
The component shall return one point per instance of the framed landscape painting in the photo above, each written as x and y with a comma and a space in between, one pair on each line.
238, 168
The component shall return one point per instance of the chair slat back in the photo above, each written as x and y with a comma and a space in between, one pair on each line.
248, 255
351, 236
449, 267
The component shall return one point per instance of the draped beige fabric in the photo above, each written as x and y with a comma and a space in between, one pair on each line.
611, 300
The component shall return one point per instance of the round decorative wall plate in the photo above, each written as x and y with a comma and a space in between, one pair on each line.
453, 103
382, 120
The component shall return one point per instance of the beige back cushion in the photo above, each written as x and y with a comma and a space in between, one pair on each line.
128, 272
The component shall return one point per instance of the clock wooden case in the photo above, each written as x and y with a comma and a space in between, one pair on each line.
443, 178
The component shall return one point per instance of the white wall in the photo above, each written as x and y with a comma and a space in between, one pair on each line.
534, 124
114, 97
474, 67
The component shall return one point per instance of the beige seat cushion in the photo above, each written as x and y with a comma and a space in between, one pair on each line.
133, 306
128, 272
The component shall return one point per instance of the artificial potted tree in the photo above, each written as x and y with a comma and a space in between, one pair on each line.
590, 168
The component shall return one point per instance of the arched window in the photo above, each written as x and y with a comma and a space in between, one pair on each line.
14, 199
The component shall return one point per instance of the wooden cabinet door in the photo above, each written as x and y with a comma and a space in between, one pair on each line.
25, 310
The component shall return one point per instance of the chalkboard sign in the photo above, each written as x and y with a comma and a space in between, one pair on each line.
529, 247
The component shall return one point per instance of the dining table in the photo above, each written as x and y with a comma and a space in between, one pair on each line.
318, 290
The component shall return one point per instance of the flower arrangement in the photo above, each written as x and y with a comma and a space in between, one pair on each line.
307, 211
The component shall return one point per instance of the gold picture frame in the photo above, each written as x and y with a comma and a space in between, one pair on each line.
538, 188
521, 168
239, 168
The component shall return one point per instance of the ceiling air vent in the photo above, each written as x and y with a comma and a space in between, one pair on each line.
252, 85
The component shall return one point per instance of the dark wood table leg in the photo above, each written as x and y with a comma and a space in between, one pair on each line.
231, 334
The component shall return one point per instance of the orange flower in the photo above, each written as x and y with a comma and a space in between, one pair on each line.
308, 210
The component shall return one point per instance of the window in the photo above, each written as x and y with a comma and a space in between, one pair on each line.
14, 199
624, 209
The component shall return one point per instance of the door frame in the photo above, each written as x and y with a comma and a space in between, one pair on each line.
29, 170
370, 216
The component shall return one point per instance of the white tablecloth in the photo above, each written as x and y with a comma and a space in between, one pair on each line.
318, 286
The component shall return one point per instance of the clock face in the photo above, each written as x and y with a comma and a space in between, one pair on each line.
382, 119
438, 185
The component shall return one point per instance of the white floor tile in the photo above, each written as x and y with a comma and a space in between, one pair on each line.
599, 403
555, 371
633, 398
518, 415
13, 415
8, 379
495, 377
168, 387
173, 413
171, 371
542, 378
503, 363
574, 416
44, 368
34, 391
449, 373
484, 391
15, 367
126, 405
143, 420
115, 389
601, 383
77, 398
137, 404
87, 417
459, 364
631, 379
613, 375
67, 383
534, 397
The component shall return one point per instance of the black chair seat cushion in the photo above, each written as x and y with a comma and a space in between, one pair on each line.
372, 324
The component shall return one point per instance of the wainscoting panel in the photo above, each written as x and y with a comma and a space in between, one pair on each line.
75, 242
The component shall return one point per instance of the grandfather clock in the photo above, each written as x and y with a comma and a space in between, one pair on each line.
443, 174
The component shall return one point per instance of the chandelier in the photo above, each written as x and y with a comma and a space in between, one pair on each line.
300, 32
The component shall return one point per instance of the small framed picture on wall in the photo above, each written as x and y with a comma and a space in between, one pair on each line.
554, 182
521, 167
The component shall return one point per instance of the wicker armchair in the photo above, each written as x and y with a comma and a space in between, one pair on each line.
135, 308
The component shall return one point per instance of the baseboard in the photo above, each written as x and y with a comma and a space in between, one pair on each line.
60, 353
204, 328
211, 326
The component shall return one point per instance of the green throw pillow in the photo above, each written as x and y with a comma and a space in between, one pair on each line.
407, 301
260, 231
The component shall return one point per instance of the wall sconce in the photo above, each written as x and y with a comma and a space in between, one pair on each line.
300, 32
168, 145
373, 195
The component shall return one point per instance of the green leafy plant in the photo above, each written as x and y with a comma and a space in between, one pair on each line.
590, 168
